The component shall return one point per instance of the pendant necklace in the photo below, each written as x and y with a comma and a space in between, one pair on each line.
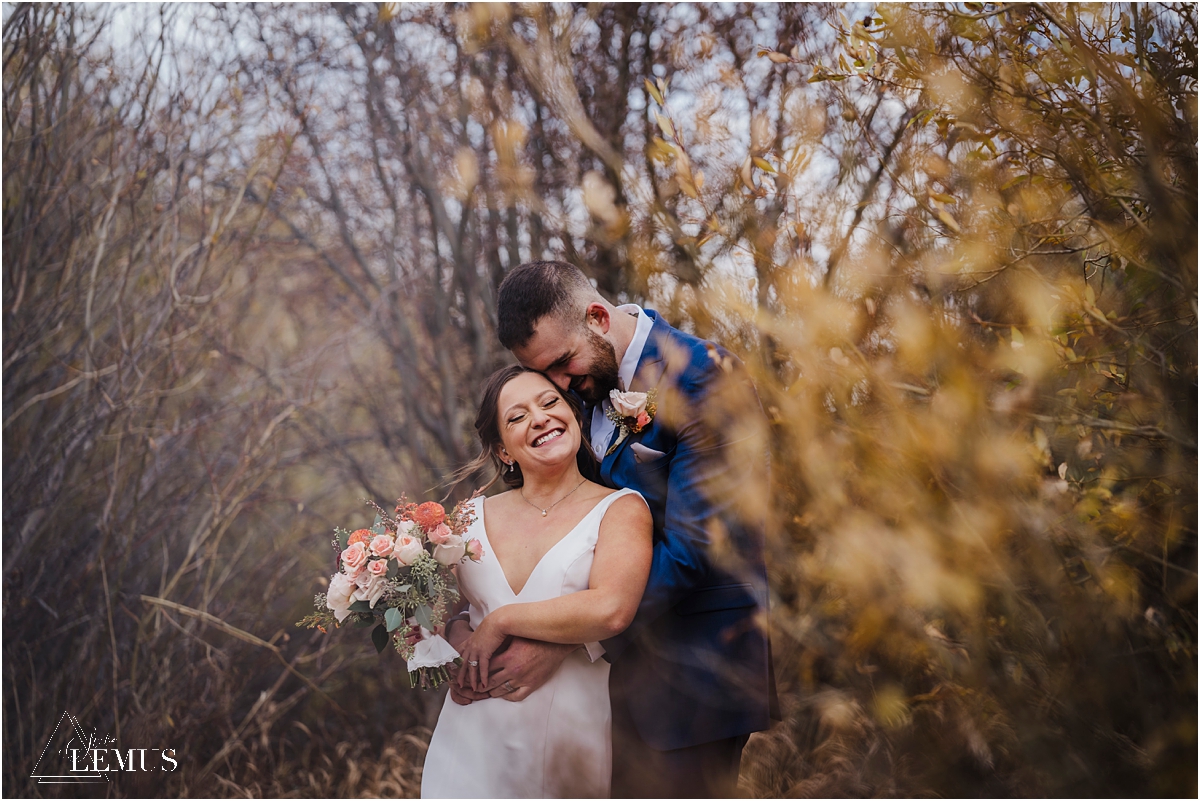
546, 511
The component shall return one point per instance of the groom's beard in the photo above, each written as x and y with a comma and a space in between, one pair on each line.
603, 370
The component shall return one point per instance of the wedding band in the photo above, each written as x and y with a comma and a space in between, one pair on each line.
508, 686
473, 663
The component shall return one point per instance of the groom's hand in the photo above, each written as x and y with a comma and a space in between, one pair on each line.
526, 665
464, 695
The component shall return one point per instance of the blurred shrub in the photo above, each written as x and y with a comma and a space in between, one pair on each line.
985, 413
246, 286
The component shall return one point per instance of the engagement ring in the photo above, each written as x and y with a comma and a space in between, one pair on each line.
473, 663
508, 686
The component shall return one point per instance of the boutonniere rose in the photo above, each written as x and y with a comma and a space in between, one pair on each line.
631, 412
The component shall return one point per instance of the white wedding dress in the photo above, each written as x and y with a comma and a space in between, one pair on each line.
557, 742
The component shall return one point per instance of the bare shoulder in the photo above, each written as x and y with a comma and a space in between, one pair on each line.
499, 497
499, 502
595, 491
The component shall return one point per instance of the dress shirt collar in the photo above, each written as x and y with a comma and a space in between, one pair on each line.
633, 354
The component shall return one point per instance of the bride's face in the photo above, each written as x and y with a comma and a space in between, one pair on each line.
537, 426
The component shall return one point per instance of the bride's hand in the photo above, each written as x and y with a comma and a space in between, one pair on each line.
477, 651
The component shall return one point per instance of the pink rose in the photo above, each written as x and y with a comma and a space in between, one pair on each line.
474, 550
643, 419
451, 551
440, 534
377, 567
355, 557
382, 545
408, 549
371, 591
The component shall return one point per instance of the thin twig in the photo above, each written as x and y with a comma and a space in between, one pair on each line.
244, 636
1150, 432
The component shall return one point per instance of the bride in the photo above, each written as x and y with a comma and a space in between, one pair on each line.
565, 561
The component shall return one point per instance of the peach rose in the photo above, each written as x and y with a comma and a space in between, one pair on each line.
377, 567
643, 419
355, 557
382, 545
439, 534
408, 549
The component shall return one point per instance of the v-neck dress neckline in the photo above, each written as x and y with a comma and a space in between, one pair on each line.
603, 502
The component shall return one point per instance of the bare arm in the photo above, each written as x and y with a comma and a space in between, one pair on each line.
618, 577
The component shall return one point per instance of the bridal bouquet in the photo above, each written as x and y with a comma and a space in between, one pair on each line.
396, 577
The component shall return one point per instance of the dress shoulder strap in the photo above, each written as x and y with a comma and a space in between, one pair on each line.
602, 507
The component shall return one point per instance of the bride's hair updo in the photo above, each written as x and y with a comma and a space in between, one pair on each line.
487, 426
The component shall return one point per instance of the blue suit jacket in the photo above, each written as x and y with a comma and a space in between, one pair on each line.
694, 665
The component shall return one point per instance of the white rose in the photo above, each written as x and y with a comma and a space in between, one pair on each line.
451, 551
372, 591
407, 528
338, 599
628, 404
407, 550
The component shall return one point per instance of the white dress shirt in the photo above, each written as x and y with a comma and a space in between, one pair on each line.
603, 428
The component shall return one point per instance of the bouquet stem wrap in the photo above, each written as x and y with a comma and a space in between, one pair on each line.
427, 666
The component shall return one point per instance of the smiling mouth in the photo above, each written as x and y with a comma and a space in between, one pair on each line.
547, 437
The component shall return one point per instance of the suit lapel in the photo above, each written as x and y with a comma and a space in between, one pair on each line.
649, 373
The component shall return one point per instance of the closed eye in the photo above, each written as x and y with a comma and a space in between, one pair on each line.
558, 363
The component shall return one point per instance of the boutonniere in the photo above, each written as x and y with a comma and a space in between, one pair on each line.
631, 412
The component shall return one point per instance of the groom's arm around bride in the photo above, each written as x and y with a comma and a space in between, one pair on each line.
691, 676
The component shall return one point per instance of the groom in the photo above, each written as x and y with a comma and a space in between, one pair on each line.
691, 677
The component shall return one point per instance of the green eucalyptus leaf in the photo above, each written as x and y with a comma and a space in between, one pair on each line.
424, 616
379, 636
393, 618
361, 606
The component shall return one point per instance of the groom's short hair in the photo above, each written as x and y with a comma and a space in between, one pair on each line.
535, 289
